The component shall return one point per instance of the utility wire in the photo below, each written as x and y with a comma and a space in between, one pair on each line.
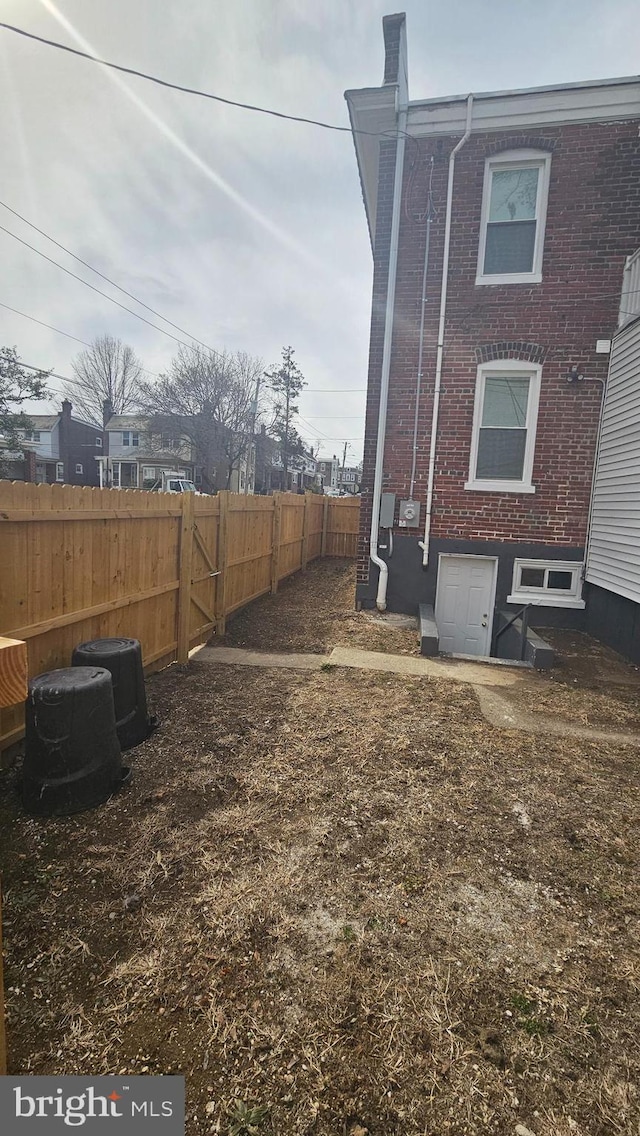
93, 287
193, 90
42, 324
102, 276
59, 331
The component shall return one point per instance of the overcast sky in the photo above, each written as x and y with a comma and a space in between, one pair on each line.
247, 231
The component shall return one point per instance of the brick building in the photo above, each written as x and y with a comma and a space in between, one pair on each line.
500, 224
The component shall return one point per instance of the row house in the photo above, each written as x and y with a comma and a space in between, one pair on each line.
57, 448
500, 224
135, 457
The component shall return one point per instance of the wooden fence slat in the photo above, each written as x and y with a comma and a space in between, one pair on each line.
186, 562
91, 563
223, 562
275, 548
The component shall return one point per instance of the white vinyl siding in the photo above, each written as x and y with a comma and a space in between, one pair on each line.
613, 559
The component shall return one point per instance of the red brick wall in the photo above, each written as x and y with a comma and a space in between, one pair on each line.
593, 223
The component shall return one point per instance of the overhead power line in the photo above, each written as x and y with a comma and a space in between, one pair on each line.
190, 90
93, 288
103, 277
59, 331
43, 324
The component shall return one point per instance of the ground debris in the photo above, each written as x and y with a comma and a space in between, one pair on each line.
345, 924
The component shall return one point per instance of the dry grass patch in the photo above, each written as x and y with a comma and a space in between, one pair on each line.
340, 903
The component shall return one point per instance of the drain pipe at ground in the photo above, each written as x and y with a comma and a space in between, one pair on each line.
424, 544
381, 598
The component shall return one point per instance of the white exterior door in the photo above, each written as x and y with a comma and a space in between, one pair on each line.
464, 604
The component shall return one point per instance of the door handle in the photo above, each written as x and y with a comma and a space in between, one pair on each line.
484, 623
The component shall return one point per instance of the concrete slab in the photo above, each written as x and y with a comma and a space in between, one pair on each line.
429, 638
236, 656
475, 673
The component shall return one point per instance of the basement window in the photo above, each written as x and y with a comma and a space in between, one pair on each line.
547, 583
514, 206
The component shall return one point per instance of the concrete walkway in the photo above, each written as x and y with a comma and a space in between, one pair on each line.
478, 674
488, 680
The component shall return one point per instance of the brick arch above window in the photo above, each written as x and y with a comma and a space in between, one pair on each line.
511, 349
521, 142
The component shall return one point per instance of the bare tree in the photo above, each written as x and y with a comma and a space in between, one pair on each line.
108, 371
210, 398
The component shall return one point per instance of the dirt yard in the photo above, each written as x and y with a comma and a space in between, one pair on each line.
340, 903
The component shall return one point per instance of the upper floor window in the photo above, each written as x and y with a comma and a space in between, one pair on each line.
32, 436
98, 443
129, 438
514, 207
504, 427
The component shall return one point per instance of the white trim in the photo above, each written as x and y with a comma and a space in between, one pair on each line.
503, 368
516, 159
548, 597
494, 585
59, 471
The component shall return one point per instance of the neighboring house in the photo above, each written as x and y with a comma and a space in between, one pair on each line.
500, 224
349, 479
58, 448
334, 476
135, 457
613, 552
302, 472
328, 469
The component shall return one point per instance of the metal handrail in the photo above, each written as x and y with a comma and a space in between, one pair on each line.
524, 612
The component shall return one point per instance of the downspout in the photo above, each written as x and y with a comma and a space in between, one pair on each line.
424, 545
596, 462
381, 598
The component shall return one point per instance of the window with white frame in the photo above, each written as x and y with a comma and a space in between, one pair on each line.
130, 438
79, 468
59, 471
504, 427
547, 583
98, 443
514, 208
32, 436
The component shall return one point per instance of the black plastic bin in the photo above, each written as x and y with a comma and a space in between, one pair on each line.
123, 659
72, 754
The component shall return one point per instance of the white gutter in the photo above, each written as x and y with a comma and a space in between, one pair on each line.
381, 598
424, 545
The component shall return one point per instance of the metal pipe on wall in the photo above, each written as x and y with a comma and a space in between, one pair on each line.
424, 544
381, 597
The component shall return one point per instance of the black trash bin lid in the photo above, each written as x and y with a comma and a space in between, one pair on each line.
105, 647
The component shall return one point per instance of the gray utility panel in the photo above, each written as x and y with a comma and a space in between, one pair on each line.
387, 510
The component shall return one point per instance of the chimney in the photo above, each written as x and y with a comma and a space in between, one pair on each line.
107, 411
66, 408
393, 29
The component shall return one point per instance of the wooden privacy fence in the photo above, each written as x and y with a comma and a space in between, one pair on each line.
79, 563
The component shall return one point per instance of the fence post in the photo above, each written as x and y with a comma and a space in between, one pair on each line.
186, 562
3, 1036
306, 521
325, 522
223, 559
275, 548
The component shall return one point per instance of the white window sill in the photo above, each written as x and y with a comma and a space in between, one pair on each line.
511, 278
546, 599
499, 487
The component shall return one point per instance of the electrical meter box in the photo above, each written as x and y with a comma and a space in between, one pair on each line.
387, 510
409, 516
